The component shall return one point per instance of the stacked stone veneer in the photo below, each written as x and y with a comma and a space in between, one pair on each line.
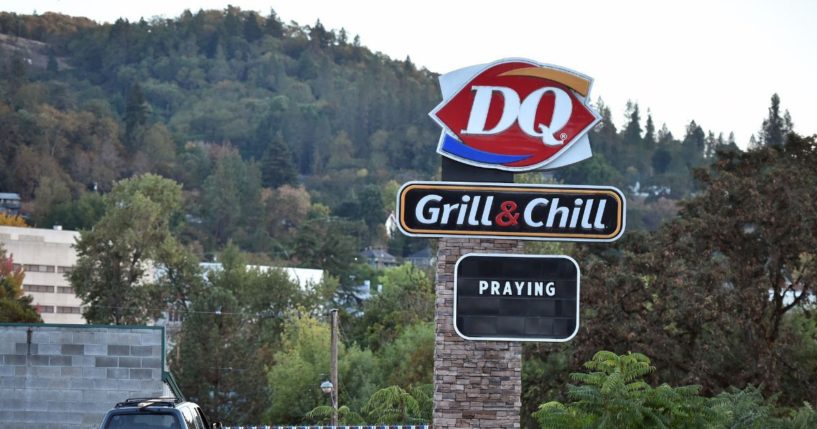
477, 384
70, 376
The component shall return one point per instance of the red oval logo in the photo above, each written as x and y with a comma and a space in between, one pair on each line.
514, 115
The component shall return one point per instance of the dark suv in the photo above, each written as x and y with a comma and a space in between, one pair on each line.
156, 413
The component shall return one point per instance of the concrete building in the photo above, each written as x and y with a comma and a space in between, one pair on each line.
46, 256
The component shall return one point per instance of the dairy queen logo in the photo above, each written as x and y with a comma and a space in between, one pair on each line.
515, 115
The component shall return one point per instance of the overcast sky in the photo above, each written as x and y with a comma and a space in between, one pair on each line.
717, 62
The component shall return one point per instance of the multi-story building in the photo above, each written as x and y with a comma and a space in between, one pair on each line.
46, 256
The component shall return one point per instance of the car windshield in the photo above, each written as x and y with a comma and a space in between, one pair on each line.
143, 421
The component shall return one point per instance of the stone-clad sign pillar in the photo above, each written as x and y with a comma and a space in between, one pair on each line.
477, 384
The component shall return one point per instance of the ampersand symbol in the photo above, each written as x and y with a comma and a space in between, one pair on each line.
507, 217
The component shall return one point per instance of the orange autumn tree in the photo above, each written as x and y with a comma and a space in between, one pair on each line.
12, 220
15, 307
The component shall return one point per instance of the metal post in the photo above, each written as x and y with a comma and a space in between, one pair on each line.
333, 368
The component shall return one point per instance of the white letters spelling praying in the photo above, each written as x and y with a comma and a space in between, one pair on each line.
476, 211
524, 288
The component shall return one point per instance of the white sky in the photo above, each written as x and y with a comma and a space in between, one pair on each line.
717, 62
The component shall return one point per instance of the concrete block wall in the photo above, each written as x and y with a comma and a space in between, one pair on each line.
477, 384
69, 376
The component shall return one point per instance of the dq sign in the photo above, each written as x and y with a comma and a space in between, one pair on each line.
515, 115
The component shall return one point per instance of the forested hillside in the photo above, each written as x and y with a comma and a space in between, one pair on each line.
234, 105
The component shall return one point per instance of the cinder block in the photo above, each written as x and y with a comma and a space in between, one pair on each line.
48, 349
73, 372
44, 371
106, 362
60, 395
130, 362
72, 349
118, 373
59, 360
96, 350
88, 337
155, 363
141, 351
118, 350
141, 374
14, 359
152, 337
82, 361
94, 373
24, 349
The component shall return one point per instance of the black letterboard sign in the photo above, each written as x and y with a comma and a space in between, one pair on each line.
508, 297
508, 210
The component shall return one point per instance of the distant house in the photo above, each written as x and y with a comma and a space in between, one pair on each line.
379, 258
10, 203
423, 258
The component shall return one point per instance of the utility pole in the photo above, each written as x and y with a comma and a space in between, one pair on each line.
333, 366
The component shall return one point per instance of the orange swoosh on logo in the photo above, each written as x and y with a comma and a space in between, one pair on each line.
578, 84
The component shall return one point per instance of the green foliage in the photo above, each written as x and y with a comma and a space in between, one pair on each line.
614, 394
408, 360
229, 335
388, 406
114, 271
79, 214
711, 294
407, 298
393, 405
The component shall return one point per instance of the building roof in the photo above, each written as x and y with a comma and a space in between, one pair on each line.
304, 277
38, 234
420, 254
9, 196
378, 254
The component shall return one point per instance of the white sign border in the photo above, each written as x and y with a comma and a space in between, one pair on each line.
527, 340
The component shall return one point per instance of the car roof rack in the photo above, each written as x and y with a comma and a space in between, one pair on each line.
148, 402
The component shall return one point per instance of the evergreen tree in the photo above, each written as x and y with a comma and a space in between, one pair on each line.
277, 165
773, 132
273, 25
252, 29
693, 145
649, 132
136, 115
632, 131
665, 135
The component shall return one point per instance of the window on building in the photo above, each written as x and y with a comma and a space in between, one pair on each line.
34, 268
69, 310
65, 270
65, 289
43, 309
38, 288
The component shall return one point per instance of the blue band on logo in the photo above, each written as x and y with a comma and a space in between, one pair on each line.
457, 148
